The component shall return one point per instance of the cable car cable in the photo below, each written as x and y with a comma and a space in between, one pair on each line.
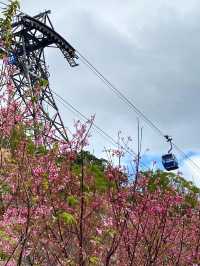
120, 94
133, 106
126, 100
97, 128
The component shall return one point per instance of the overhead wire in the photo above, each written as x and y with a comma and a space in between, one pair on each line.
119, 93
99, 130
73, 109
127, 101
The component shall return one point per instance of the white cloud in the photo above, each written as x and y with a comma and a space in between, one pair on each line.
190, 172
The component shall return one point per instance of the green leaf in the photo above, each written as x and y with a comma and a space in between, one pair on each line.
41, 150
97, 239
3, 255
111, 232
6, 22
4, 235
152, 187
101, 182
76, 169
72, 201
191, 200
31, 148
43, 82
45, 184
94, 260
67, 218
5, 189
195, 189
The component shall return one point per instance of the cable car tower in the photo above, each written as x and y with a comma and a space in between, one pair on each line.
29, 73
27, 69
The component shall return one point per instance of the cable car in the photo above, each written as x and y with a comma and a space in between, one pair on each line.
12, 59
169, 160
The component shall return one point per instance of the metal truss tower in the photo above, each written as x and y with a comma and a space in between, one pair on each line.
31, 35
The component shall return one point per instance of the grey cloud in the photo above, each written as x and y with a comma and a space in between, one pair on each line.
149, 50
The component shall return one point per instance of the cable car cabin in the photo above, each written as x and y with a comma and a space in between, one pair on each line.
169, 162
12, 59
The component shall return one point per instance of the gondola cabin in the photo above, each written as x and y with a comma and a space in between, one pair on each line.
12, 59
169, 162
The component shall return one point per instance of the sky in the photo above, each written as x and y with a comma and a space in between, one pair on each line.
150, 50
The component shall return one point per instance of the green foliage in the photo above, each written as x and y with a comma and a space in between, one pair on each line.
45, 183
37, 150
43, 82
94, 167
97, 239
6, 21
195, 189
31, 147
69, 262
3, 256
3, 235
17, 134
67, 218
76, 169
168, 181
182, 185
160, 180
72, 201
90, 159
41, 150
94, 260
111, 232
101, 183
4, 188
152, 186
191, 200
60, 160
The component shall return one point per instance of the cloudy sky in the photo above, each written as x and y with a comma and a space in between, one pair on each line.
150, 50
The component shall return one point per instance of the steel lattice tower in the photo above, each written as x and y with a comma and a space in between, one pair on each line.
31, 35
